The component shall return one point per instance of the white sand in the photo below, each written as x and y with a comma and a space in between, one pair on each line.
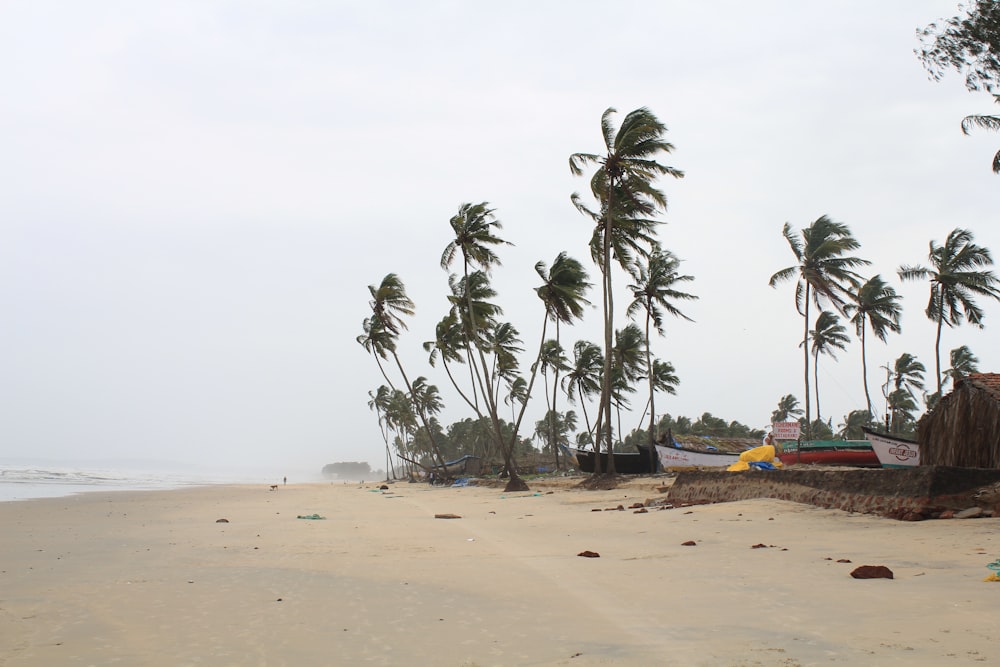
150, 578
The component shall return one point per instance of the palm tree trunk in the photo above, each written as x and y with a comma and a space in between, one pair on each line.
937, 349
652, 407
819, 413
864, 370
805, 352
420, 413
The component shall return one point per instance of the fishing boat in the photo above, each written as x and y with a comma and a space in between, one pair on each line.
893, 451
855, 453
682, 457
626, 463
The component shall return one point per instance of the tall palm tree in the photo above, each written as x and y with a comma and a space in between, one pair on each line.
627, 169
877, 305
987, 123
379, 403
583, 379
389, 303
563, 291
823, 272
475, 240
829, 335
654, 294
956, 275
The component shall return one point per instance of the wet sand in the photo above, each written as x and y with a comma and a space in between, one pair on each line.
150, 578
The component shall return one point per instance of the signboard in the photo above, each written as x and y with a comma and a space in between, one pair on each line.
785, 430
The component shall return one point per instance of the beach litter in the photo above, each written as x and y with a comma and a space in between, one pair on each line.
589, 554
312, 517
994, 568
447, 516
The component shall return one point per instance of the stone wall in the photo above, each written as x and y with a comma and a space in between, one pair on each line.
912, 494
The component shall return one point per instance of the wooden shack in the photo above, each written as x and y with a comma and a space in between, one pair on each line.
963, 429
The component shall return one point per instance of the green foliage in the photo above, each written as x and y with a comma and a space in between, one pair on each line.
968, 44
354, 470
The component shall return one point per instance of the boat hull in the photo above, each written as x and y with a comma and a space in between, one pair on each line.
626, 463
860, 456
893, 451
678, 457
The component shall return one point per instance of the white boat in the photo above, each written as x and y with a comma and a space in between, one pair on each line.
680, 457
893, 451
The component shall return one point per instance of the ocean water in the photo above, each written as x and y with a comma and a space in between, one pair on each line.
24, 481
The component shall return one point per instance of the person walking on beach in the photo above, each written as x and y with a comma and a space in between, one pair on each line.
285, 481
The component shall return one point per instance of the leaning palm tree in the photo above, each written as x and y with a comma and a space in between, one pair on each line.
655, 294
823, 272
389, 302
987, 123
474, 241
877, 305
956, 275
627, 170
829, 335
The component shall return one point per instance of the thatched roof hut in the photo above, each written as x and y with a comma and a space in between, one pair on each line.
963, 429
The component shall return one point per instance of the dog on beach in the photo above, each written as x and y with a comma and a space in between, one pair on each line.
274, 487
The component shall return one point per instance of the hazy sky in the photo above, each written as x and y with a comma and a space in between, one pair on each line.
195, 195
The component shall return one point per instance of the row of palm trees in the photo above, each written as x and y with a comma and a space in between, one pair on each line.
473, 334
827, 274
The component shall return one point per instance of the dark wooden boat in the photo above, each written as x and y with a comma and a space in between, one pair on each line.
626, 463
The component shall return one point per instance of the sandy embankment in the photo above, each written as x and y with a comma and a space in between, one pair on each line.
150, 578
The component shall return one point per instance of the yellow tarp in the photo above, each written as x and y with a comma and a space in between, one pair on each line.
764, 453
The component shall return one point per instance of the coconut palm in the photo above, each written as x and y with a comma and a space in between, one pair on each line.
626, 170
963, 363
629, 354
583, 379
378, 401
788, 406
475, 240
956, 275
908, 379
823, 272
829, 335
654, 294
851, 427
563, 291
389, 302
877, 305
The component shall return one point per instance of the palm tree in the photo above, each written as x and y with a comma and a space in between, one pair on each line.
583, 379
829, 335
655, 293
963, 363
851, 427
823, 271
629, 355
955, 279
379, 402
908, 378
563, 291
788, 406
987, 123
627, 170
389, 302
877, 305
474, 240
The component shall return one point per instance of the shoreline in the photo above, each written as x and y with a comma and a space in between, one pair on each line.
151, 578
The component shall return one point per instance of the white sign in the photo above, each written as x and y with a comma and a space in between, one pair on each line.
785, 430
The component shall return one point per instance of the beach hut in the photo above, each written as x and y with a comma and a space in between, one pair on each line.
963, 429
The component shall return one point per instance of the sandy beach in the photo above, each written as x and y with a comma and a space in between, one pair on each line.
151, 578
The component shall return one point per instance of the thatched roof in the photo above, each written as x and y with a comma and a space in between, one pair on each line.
963, 429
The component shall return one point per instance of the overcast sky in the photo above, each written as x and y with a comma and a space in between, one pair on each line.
194, 197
